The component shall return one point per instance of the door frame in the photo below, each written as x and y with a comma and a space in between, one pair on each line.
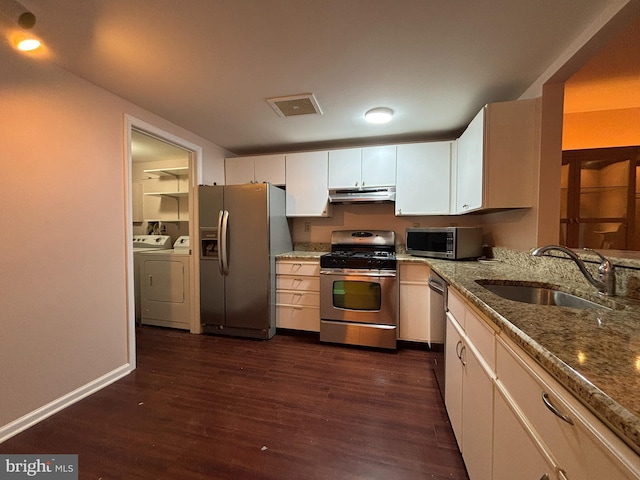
195, 178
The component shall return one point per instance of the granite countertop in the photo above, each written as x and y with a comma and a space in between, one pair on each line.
299, 255
594, 354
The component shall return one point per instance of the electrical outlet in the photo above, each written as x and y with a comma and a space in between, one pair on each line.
307, 227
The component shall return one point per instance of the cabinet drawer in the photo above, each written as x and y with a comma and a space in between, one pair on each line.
285, 282
288, 297
298, 317
414, 273
456, 306
577, 450
298, 268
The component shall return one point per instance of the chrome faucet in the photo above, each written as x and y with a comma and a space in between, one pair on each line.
606, 282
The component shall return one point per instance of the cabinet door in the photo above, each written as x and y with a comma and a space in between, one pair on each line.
379, 166
515, 452
270, 168
469, 175
578, 447
423, 178
414, 312
345, 167
453, 376
477, 415
239, 170
306, 179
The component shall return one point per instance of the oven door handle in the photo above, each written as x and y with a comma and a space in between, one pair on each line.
359, 273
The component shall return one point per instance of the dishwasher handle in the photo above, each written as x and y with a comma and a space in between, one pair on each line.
436, 286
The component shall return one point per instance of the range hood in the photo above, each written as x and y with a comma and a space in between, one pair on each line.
363, 195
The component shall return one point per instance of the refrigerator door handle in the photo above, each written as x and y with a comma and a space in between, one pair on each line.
225, 244
220, 240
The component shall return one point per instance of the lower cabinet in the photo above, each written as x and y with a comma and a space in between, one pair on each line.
298, 295
517, 453
579, 444
414, 324
511, 419
469, 373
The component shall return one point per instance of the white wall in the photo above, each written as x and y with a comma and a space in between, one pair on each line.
63, 263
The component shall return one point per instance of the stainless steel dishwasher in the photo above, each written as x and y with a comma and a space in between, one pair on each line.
437, 309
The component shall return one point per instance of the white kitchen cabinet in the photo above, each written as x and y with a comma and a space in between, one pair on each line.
581, 446
516, 451
423, 178
469, 393
298, 295
306, 180
453, 350
362, 167
415, 321
500, 145
255, 169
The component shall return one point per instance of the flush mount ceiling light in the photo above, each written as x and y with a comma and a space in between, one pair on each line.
378, 115
28, 44
26, 20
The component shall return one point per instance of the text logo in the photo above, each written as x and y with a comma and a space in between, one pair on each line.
49, 467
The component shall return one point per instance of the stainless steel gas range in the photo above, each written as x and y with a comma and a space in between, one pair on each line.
359, 289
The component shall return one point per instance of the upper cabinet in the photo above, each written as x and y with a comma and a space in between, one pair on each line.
307, 193
255, 169
496, 157
362, 167
423, 178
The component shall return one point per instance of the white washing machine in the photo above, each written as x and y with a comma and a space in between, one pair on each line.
164, 286
145, 243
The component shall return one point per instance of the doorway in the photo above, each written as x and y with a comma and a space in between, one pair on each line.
166, 207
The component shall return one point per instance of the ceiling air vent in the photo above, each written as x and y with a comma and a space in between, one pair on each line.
304, 104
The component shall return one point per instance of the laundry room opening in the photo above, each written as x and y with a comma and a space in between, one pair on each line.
161, 172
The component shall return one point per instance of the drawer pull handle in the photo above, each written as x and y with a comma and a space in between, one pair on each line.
545, 477
552, 407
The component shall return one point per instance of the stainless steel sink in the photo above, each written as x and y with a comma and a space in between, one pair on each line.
539, 295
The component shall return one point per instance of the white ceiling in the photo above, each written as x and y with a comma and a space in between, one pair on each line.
209, 65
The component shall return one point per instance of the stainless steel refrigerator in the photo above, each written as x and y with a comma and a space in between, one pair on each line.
242, 229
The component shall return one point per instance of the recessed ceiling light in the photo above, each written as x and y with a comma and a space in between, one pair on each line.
379, 115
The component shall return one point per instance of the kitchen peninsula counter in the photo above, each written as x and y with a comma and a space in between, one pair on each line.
595, 354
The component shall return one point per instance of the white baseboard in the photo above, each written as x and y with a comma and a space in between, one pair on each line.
30, 419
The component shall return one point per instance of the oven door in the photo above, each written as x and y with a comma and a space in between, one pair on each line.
359, 295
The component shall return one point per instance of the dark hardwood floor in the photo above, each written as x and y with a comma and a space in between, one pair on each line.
206, 407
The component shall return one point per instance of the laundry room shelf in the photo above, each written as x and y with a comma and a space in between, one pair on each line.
167, 194
168, 172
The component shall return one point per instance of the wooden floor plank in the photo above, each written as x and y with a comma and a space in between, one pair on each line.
206, 407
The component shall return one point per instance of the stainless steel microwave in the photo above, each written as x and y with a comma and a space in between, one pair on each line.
452, 243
